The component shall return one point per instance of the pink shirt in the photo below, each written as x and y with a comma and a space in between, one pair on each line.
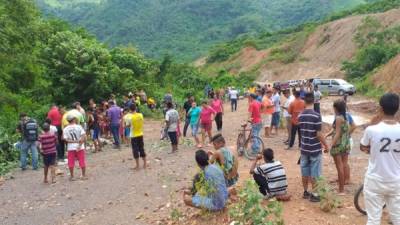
255, 110
205, 115
216, 104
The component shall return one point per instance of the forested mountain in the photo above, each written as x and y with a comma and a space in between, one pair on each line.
187, 28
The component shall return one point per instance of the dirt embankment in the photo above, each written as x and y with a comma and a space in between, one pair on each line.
321, 55
389, 76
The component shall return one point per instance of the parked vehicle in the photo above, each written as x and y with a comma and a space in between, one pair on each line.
334, 86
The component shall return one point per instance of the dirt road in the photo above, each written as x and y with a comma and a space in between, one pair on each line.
115, 194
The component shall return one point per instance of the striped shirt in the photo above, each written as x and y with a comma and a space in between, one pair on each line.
310, 123
48, 142
275, 175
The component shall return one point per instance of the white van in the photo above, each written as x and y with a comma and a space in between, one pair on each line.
334, 86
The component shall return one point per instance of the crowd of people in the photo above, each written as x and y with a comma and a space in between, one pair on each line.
216, 181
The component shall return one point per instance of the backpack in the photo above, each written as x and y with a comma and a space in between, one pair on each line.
31, 130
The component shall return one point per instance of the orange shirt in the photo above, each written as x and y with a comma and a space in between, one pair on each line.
268, 106
295, 108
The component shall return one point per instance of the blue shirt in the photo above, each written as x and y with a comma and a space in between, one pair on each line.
276, 99
215, 177
194, 114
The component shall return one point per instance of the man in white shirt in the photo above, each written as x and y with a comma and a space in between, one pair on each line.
172, 119
382, 179
233, 96
289, 99
317, 99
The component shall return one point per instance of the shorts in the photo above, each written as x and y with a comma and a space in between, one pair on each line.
206, 126
49, 159
204, 202
73, 155
195, 129
96, 133
311, 165
276, 117
138, 147
173, 137
267, 120
127, 132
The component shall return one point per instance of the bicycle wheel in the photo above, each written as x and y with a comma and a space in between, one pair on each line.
240, 144
251, 153
359, 200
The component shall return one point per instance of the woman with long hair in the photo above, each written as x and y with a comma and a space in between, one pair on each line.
341, 143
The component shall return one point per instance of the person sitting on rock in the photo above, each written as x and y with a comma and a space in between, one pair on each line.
270, 176
210, 191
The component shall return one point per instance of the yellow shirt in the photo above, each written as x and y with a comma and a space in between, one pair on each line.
128, 119
137, 125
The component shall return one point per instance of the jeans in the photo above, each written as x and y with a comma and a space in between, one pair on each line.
234, 104
256, 128
115, 133
185, 127
294, 129
24, 148
218, 121
376, 195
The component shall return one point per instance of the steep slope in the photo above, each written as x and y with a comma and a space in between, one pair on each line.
388, 76
187, 28
317, 54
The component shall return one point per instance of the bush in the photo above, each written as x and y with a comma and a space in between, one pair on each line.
250, 210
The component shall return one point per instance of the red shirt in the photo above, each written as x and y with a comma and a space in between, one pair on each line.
205, 115
255, 110
216, 104
48, 141
55, 116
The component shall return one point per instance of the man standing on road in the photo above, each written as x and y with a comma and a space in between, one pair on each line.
317, 99
171, 119
233, 96
288, 118
382, 179
268, 109
29, 130
295, 108
256, 122
276, 116
114, 115
311, 150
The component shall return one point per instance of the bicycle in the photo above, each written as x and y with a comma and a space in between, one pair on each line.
359, 200
244, 143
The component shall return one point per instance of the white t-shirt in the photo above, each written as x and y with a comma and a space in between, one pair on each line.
53, 129
172, 116
317, 96
287, 103
233, 94
74, 132
276, 99
384, 161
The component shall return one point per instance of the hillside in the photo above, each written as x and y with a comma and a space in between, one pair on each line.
389, 72
186, 29
318, 51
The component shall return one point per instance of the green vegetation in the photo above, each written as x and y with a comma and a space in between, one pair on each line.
251, 210
186, 29
376, 46
329, 200
47, 61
